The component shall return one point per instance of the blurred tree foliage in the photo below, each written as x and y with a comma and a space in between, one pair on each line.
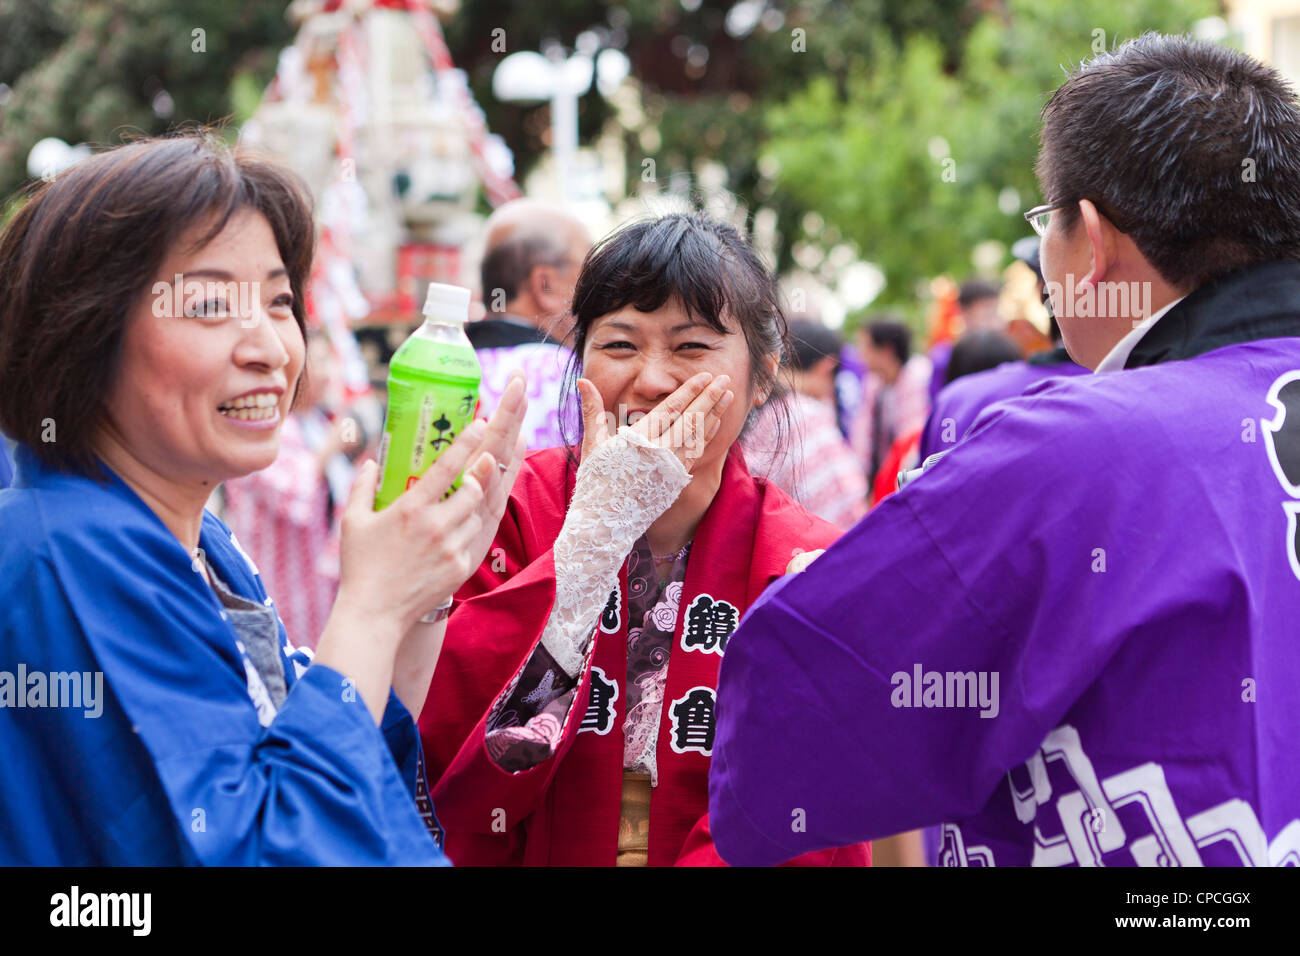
708, 70
843, 108
913, 162
84, 70
89, 70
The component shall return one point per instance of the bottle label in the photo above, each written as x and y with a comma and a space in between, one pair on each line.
383, 452
421, 433
424, 418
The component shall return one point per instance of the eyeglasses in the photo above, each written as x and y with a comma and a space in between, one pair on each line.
1041, 216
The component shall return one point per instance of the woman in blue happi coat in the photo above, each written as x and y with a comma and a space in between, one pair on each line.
151, 708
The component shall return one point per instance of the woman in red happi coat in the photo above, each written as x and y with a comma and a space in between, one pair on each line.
571, 716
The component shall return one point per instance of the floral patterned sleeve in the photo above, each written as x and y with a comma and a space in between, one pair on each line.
622, 487
525, 730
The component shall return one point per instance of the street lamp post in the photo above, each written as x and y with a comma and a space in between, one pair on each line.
531, 77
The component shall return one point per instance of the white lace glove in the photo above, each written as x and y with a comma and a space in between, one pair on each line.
622, 487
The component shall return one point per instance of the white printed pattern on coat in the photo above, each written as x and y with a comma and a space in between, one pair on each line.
1092, 827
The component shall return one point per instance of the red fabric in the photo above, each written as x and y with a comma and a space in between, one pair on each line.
565, 811
903, 454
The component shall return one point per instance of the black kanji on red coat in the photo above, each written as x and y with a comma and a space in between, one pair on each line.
709, 624
694, 721
599, 717
609, 618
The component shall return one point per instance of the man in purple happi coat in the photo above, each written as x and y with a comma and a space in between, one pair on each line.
1074, 640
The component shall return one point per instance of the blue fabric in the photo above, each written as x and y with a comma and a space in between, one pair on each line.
6, 468
176, 768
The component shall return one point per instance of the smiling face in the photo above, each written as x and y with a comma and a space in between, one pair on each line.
203, 388
637, 359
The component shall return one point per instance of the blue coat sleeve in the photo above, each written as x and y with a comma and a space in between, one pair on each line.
6, 466
78, 788
400, 733
320, 785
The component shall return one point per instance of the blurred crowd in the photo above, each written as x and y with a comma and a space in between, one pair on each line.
861, 410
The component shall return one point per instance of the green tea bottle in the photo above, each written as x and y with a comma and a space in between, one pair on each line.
433, 384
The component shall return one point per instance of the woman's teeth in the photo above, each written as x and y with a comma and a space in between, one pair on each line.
251, 408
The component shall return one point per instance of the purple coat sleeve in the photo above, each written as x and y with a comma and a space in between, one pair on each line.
824, 734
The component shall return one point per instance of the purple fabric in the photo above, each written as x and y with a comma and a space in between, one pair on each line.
851, 361
940, 356
848, 387
551, 413
959, 404
1120, 552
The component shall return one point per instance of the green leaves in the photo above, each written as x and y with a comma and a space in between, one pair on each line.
87, 71
915, 163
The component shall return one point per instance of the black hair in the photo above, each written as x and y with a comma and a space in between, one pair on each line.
810, 342
702, 263
1191, 148
977, 290
978, 352
889, 332
84, 249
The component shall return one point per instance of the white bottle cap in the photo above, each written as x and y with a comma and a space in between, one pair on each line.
447, 302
